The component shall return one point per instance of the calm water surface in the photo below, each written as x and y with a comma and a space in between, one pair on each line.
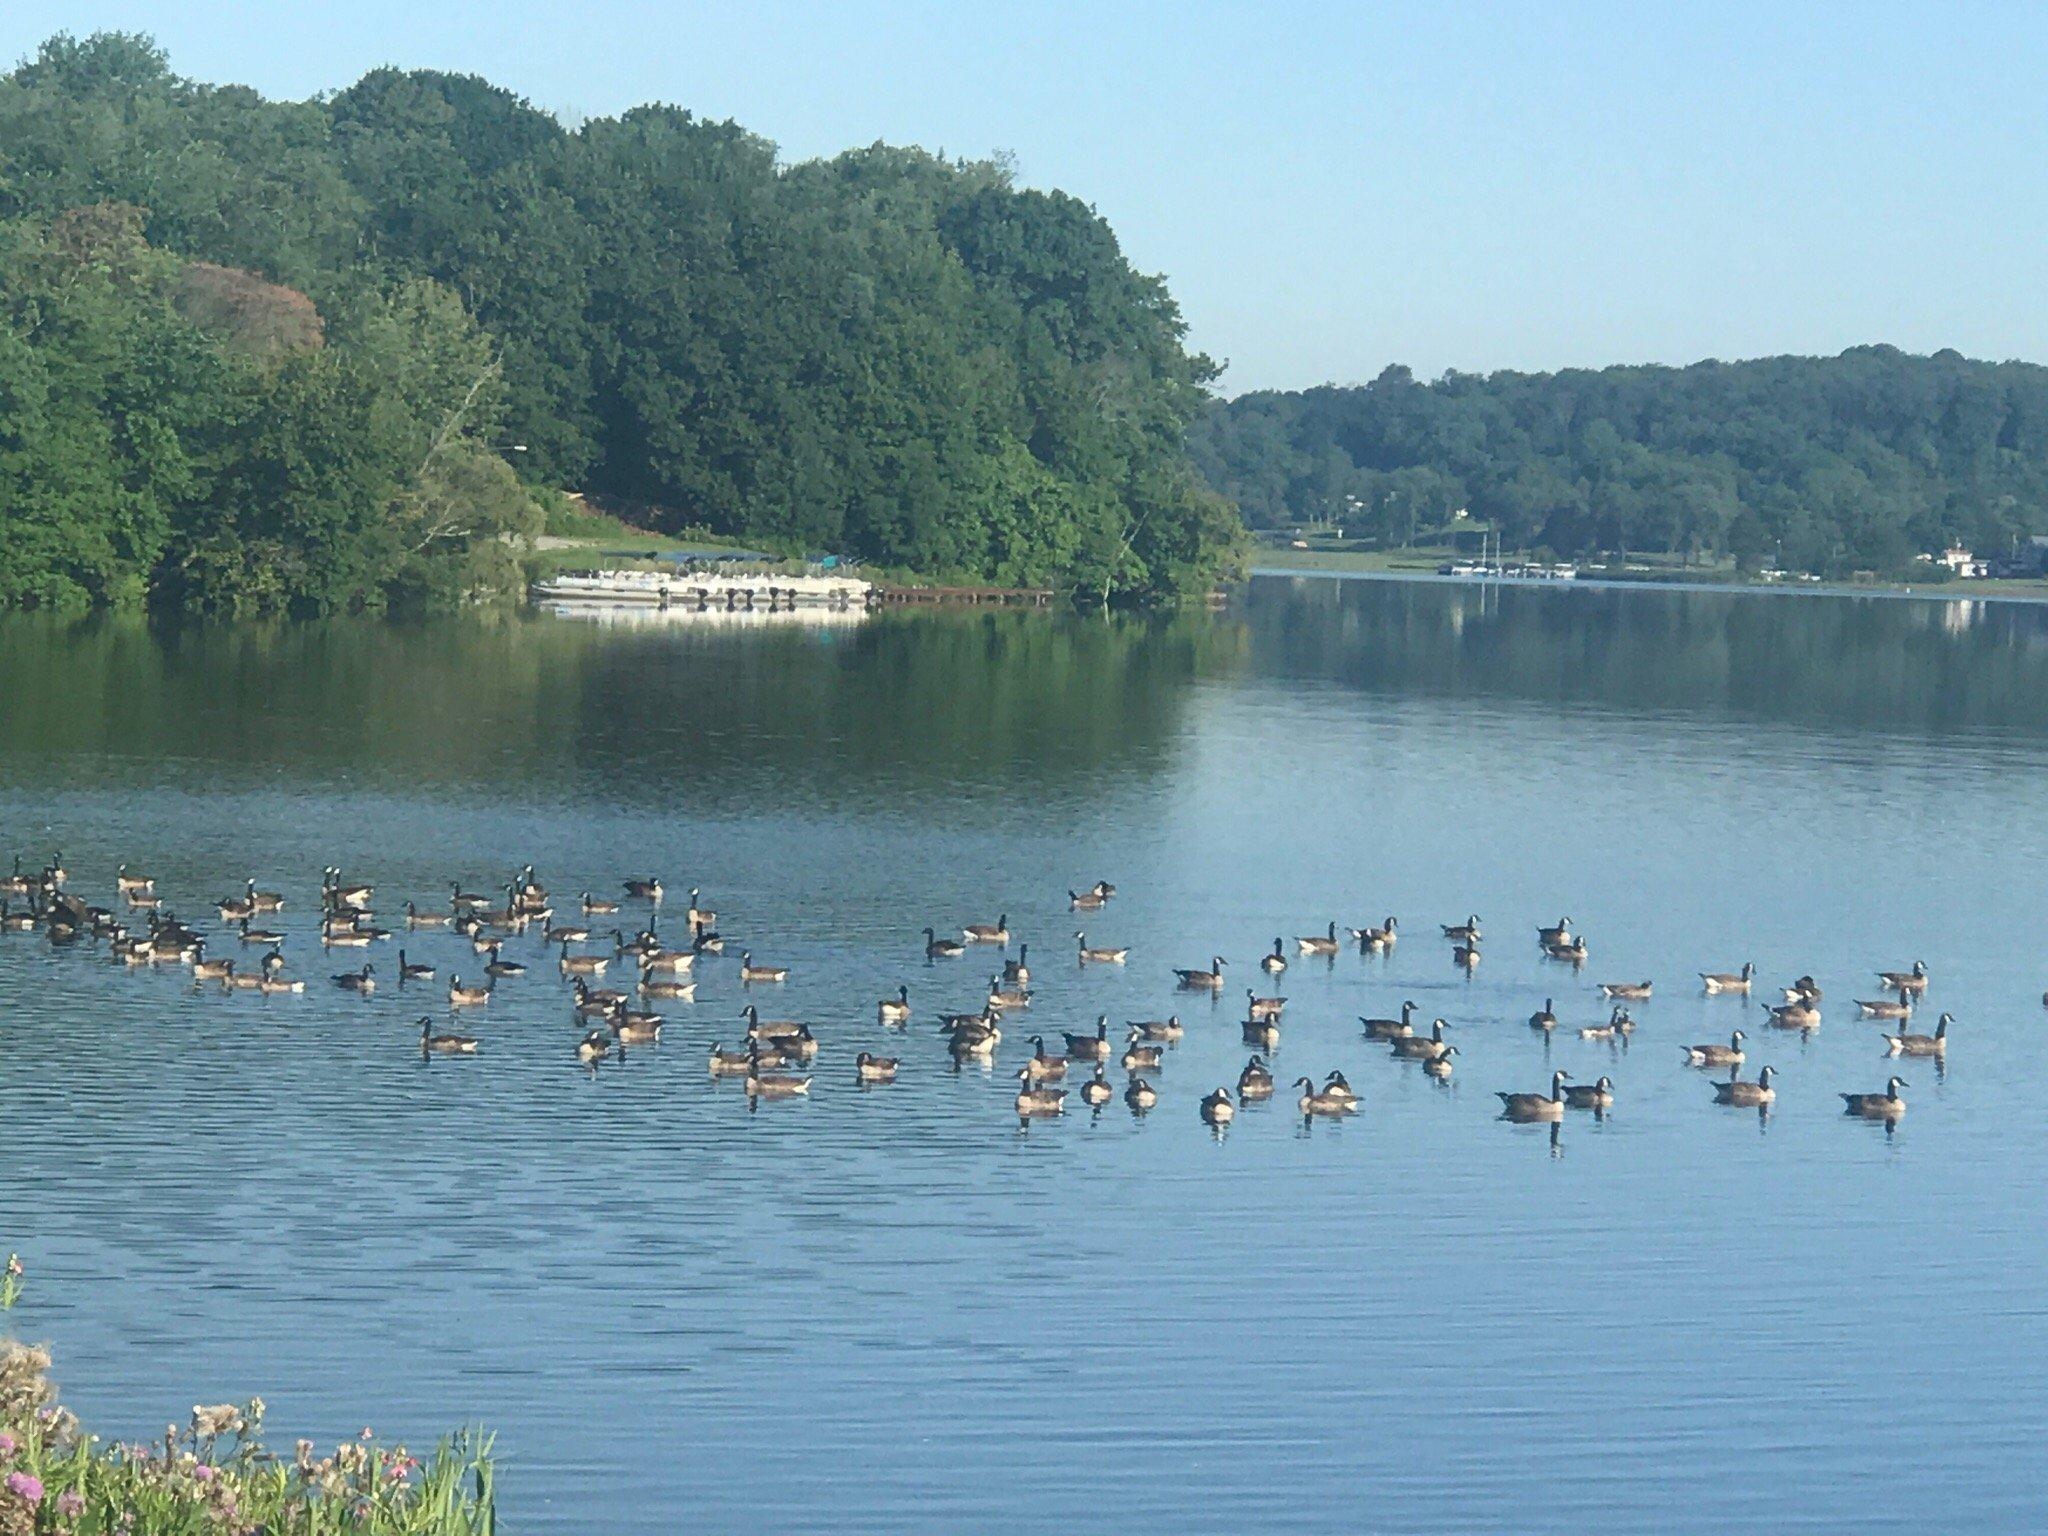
891, 1310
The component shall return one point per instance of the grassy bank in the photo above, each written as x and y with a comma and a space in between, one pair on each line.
213, 1475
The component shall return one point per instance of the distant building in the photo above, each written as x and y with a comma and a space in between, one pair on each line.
2029, 558
1960, 562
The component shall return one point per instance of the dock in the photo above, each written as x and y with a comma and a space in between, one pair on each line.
970, 597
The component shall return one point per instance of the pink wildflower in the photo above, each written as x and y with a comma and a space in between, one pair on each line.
25, 1488
6, 1443
203, 1473
70, 1504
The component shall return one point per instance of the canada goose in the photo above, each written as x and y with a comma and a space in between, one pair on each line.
654, 957
130, 885
1015, 972
1256, 1007
1465, 955
1545, 1018
410, 970
1573, 951
640, 946
501, 967
211, 970
241, 981
1217, 1108
985, 1016
1420, 1047
997, 932
1255, 1081
1598, 1095
460, 996
415, 918
550, 934
595, 1002
16, 922
17, 884
1337, 1082
595, 907
1094, 1047
1211, 979
142, 901
265, 901
1710, 1055
704, 942
1086, 901
1099, 955
1793, 1016
1390, 1029
681, 991
357, 981
1536, 1106
760, 1085
1914, 980
580, 965
726, 1063
1001, 997
54, 874
1138, 1057
346, 936
1038, 1101
1886, 1008
1877, 1106
1936, 1044
644, 890
631, 1028
234, 908
750, 972
1804, 990
339, 894
593, 1047
1728, 981
1635, 991
698, 916
1041, 1068
874, 1069
1276, 962
1439, 1067
759, 1028
273, 961
1264, 1033
1381, 937
1607, 1031
1318, 943
1096, 1090
1556, 933
1324, 1101
1140, 1095
278, 986
936, 948
1756, 1095
1466, 932
250, 935
1168, 1028
432, 1044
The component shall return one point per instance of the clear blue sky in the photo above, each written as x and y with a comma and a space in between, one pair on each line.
1330, 188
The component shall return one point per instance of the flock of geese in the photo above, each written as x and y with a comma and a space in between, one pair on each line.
773, 1058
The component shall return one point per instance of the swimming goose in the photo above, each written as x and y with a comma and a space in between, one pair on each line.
1381, 937
1015, 972
726, 1063
415, 918
277, 986
1262, 1008
978, 1039
682, 991
1323, 1101
591, 1001
1168, 1028
1545, 1018
17, 884
141, 901
1255, 1081
460, 996
1038, 1101
633, 1028
497, 966
759, 1028
1336, 1082
653, 957
1439, 1067
1276, 962
1877, 1106
1001, 997
1217, 1108
339, 894
265, 901
894, 1010
1633, 990
1608, 1031
1466, 932
16, 922
1420, 1047
234, 908
874, 1069
997, 932
1096, 1090
357, 981
1085, 901
1914, 980
699, 916
550, 934
1041, 1068
760, 1085
1598, 1095
751, 972
127, 884
444, 1045
1886, 1008
1803, 990
1556, 933
644, 890
1100, 955
1936, 1044
1536, 1106
1466, 955
1093, 1047
1140, 1095
592, 905
1710, 1055
704, 942
1211, 979
409, 970
1318, 943
211, 970
593, 1047
1573, 951
1264, 1033
1793, 1016
1743, 1095
579, 965
1138, 1057
942, 949
1728, 981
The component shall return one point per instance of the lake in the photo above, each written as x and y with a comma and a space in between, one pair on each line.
892, 1309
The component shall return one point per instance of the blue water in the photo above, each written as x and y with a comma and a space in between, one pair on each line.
892, 1309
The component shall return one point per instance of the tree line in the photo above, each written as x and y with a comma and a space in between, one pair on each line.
279, 353
1824, 464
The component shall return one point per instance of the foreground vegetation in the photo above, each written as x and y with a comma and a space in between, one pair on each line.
213, 1475
318, 354
1829, 465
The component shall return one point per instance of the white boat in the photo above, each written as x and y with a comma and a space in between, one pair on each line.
688, 588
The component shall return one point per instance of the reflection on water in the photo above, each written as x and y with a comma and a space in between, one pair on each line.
890, 1308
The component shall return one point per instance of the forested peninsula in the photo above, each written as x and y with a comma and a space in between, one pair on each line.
1821, 464
342, 352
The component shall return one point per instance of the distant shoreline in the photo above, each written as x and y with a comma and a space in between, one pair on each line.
1945, 592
